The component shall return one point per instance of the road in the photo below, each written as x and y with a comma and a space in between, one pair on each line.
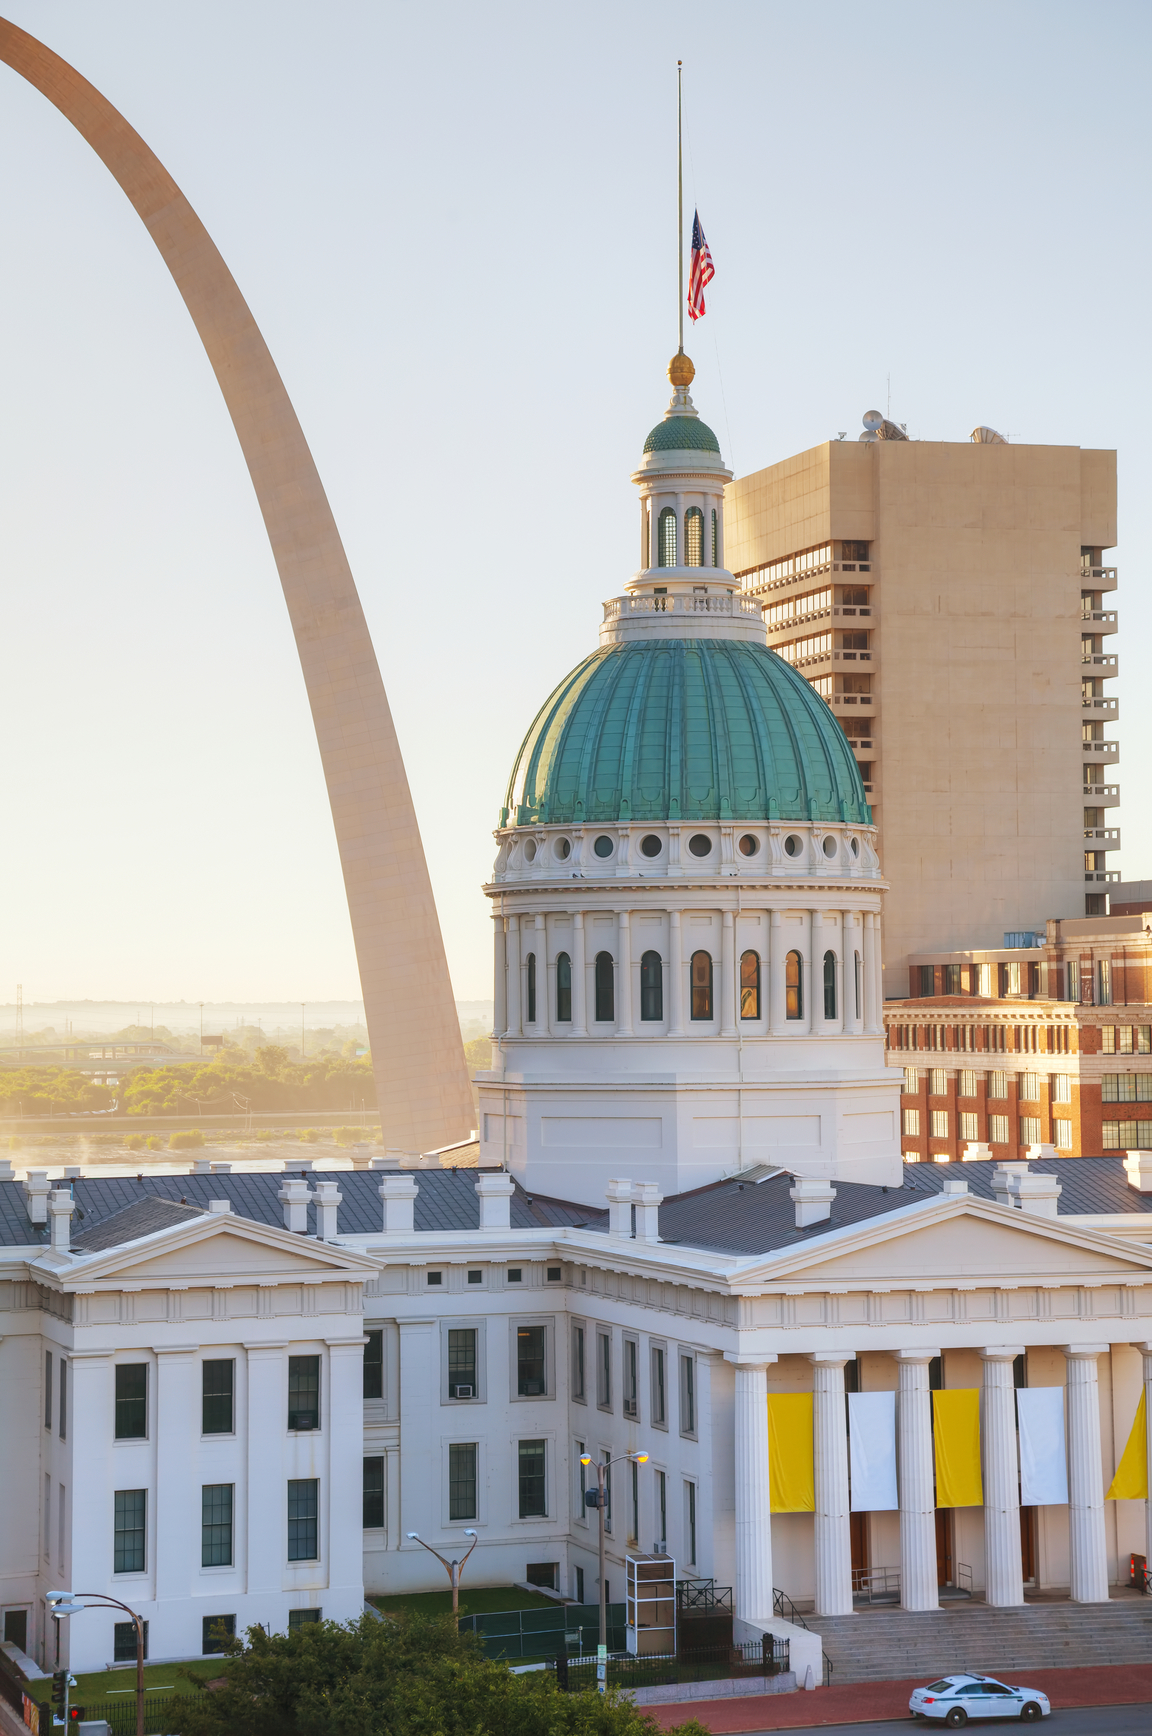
1080, 1721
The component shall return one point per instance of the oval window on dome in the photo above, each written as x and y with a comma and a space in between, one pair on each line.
792, 845
650, 845
855, 846
829, 846
700, 844
749, 845
603, 845
530, 850
562, 849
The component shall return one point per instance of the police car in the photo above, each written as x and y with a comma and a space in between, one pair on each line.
954, 1699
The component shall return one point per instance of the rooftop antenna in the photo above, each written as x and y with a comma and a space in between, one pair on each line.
680, 199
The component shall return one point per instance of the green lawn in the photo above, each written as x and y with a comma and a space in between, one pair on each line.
474, 1600
120, 1684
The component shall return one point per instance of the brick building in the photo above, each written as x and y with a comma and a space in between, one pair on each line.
1048, 1042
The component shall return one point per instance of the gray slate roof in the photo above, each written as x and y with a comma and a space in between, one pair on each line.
730, 1217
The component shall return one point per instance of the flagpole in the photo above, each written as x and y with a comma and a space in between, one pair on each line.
680, 197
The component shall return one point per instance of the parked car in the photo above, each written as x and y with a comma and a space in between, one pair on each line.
954, 1699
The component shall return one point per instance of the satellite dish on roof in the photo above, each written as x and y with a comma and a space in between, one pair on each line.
987, 437
872, 420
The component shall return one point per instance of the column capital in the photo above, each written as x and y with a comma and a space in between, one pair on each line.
1001, 1352
1085, 1352
1145, 1348
915, 1356
830, 1358
750, 1361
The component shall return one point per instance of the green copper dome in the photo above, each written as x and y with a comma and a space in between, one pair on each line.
684, 729
682, 434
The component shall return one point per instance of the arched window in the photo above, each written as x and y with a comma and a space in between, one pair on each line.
651, 986
829, 985
701, 985
563, 988
693, 537
750, 985
668, 537
859, 974
793, 987
605, 989
530, 961
715, 539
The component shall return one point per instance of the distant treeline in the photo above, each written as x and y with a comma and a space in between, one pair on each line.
271, 1083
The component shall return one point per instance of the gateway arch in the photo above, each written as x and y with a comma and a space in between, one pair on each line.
418, 1058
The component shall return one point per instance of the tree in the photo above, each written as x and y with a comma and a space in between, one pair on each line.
406, 1676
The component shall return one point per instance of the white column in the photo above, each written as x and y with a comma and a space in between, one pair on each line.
833, 1536
873, 976
719, 530
848, 948
513, 976
675, 975
540, 947
343, 1548
918, 1582
1146, 1351
1087, 1551
623, 974
807, 1022
1003, 1568
753, 1504
499, 978
267, 1490
94, 1477
579, 980
176, 1521
728, 977
774, 964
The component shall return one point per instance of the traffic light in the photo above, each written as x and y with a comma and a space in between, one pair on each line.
59, 1690
76, 1714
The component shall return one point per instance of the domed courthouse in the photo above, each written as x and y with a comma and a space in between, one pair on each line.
687, 892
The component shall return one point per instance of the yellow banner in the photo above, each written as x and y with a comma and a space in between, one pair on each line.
956, 1430
791, 1476
1131, 1480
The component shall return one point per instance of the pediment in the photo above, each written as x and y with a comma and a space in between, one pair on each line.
228, 1248
958, 1242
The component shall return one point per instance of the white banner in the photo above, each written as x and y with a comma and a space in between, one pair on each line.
1043, 1461
872, 1451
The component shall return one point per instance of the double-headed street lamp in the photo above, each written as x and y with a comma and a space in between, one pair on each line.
598, 1498
63, 1603
453, 1568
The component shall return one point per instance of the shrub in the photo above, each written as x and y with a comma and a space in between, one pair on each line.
15, 1142
266, 1134
134, 1141
348, 1135
154, 1142
310, 1135
186, 1141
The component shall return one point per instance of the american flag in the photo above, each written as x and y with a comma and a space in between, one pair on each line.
702, 271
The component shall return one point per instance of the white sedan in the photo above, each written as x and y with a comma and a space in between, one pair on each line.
955, 1699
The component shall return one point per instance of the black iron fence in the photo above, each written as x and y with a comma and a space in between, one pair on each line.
765, 1657
163, 1714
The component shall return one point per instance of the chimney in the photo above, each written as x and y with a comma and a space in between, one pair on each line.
954, 1185
327, 1197
648, 1201
812, 1196
1138, 1168
201, 1166
37, 1187
1035, 1193
219, 1207
295, 1195
1003, 1177
390, 1161
73, 1173
399, 1195
495, 1195
296, 1164
6, 1173
221, 1169
619, 1208
974, 1152
61, 1206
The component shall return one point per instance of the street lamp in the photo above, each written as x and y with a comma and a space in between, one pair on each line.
453, 1568
598, 1498
63, 1603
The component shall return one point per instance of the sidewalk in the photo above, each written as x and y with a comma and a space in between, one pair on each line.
862, 1702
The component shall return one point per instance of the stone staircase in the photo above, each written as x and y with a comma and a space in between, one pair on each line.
893, 1645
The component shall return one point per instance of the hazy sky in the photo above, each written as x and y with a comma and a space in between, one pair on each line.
455, 225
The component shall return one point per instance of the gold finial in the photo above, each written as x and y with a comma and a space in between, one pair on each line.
681, 371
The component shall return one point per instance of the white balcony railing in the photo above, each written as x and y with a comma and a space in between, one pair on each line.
1101, 877
617, 608
1110, 707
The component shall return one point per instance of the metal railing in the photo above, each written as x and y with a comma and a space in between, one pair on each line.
703, 1594
871, 1584
163, 1714
768, 1656
541, 1633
